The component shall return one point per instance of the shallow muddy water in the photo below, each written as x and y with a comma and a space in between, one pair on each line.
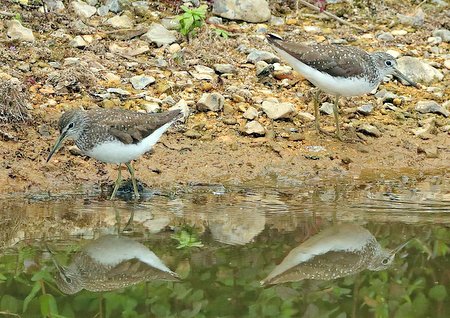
279, 248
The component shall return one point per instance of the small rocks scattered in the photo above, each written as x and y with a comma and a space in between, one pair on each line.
211, 102
418, 70
327, 108
246, 10
369, 130
275, 110
427, 130
18, 32
256, 56
385, 36
141, 81
159, 35
429, 106
254, 128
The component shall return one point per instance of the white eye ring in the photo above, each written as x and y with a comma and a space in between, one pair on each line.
389, 63
385, 261
70, 125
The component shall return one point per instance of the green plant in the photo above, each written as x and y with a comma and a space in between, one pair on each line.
187, 239
191, 19
221, 32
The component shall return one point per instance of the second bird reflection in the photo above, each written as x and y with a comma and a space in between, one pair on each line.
111, 262
338, 251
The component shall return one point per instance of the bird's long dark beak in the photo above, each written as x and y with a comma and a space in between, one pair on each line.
402, 76
57, 145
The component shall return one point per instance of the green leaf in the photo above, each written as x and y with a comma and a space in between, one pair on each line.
48, 305
9, 304
36, 288
438, 292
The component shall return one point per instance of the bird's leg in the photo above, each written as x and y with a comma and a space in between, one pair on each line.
117, 183
133, 180
336, 117
316, 110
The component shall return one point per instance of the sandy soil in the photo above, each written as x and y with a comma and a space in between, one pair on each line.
220, 152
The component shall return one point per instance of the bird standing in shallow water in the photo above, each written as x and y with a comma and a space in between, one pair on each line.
337, 70
113, 135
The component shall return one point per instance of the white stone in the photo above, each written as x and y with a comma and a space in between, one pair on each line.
141, 81
78, 42
204, 69
254, 128
246, 10
211, 102
159, 35
183, 106
251, 113
399, 32
418, 70
83, 10
120, 22
275, 110
18, 32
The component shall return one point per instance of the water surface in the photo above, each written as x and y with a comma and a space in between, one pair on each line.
222, 241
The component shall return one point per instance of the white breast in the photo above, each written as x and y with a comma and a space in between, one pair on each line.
327, 83
118, 152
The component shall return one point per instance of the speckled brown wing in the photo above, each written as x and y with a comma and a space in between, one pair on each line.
338, 61
131, 127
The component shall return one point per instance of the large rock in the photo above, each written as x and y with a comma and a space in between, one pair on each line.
430, 106
159, 35
418, 71
18, 32
245, 10
275, 110
254, 128
83, 10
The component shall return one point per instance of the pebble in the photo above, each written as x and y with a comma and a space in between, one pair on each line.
118, 91
83, 10
254, 128
430, 151
102, 10
327, 108
204, 69
385, 96
229, 121
365, 109
120, 22
399, 32
256, 56
277, 21
305, 117
447, 64
159, 34
444, 34
416, 19
394, 53
428, 128
78, 42
141, 81
194, 134
152, 107
114, 5
434, 40
210, 102
251, 113
254, 11
385, 36
369, 130
275, 110
18, 32
225, 68
418, 70
215, 20
312, 29
430, 106
297, 136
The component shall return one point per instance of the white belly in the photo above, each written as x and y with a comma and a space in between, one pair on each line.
118, 152
327, 83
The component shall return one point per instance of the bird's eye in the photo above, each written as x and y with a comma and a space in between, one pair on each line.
389, 63
70, 126
385, 261
68, 280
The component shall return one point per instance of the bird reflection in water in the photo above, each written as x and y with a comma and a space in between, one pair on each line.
338, 251
111, 262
